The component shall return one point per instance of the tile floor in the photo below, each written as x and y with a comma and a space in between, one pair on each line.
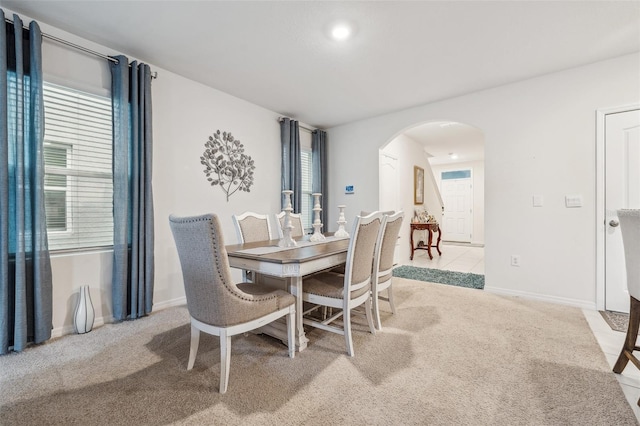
466, 258
455, 257
611, 343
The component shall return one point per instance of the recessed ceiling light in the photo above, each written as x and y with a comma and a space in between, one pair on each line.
453, 156
341, 32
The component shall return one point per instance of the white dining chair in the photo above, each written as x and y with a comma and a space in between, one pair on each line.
630, 229
251, 227
346, 291
383, 262
296, 221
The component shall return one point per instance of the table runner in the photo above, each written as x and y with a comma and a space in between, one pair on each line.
274, 249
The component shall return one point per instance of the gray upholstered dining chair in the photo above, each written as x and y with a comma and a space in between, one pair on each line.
251, 227
340, 269
346, 291
382, 275
296, 221
630, 229
216, 305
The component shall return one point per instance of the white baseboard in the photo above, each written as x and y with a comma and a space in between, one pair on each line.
170, 303
582, 304
69, 329
462, 243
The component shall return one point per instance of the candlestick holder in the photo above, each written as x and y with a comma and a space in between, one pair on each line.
317, 223
286, 240
341, 232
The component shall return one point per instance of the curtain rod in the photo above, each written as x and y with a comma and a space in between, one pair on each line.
78, 47
302, 127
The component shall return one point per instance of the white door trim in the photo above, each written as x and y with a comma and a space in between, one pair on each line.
600, 198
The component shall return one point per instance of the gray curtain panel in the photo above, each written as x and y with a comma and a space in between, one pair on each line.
291, 162
25, 266
133, 237
319, 179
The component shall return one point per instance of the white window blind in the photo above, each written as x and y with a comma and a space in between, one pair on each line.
307, 189
78, 173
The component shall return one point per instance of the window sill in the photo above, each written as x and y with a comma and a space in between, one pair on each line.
80, 252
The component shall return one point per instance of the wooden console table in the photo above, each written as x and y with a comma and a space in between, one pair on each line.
431, 227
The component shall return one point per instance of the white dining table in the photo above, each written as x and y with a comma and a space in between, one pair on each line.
265, 258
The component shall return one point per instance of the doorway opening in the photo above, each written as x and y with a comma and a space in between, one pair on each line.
452, 156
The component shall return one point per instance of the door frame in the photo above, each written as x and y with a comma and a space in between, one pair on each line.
601, 115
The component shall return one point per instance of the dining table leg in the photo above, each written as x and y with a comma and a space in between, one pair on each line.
295, 288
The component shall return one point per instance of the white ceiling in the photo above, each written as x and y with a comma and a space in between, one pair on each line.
404, 53
443, 138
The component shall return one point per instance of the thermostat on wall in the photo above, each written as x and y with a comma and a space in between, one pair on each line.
349, 189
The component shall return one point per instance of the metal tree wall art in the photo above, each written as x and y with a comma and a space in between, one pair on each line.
226, 164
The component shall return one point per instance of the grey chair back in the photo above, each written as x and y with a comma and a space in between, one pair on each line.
251, 227
630, 229
296, 221
389, 241
360, 254
387, 212
212, 296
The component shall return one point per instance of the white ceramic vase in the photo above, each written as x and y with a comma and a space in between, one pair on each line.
84, 314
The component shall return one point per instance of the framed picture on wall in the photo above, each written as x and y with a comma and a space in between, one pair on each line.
418, 185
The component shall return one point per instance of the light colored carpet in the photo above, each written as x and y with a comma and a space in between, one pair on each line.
451, 355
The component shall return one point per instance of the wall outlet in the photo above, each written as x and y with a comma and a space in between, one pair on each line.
515, 260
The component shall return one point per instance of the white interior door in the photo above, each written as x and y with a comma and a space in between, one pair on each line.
622, 191
389, 183
456, 223
388, 188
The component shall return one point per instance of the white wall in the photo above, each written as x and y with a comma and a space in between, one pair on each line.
409, 154
539, 139
185, 113
477, 179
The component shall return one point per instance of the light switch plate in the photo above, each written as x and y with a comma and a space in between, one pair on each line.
538, 201
573, 201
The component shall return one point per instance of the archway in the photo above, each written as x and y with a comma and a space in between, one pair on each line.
439, 147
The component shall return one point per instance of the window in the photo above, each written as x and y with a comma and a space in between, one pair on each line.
55, 192
78, 174
307, 189
307, 179
456, 174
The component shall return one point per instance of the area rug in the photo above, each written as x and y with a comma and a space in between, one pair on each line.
460, 279
618, 321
